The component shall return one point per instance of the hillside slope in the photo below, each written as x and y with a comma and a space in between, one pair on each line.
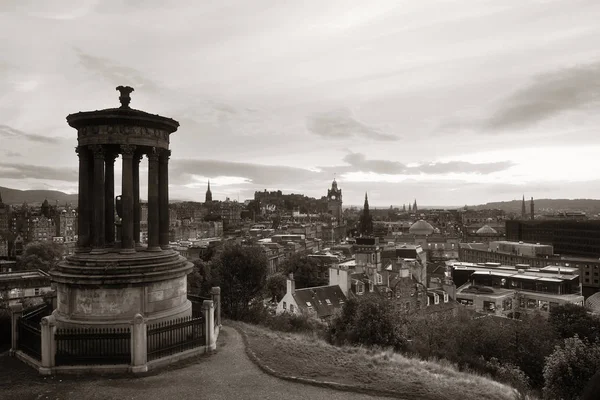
310, 358
33, 197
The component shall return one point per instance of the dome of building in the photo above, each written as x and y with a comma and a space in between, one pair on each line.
486, 230
421, 228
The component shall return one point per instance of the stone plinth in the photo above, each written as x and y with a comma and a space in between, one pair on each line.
109, 290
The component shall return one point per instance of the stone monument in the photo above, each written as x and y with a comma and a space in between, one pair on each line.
112, 276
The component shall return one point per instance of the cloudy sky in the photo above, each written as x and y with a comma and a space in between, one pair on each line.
451, 102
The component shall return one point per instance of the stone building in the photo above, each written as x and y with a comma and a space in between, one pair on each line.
42, 229
5, 216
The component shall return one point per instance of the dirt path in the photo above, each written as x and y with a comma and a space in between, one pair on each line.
226, 374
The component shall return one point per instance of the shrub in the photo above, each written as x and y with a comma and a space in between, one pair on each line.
570, 367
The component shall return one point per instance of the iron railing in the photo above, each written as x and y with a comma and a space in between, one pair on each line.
171, 337
94, 346
30, 338
36, 313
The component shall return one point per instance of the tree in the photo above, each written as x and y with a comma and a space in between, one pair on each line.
200, 280
307, 271
241, 272
570, 319
41, 255
570, 367
276, 286
370, 320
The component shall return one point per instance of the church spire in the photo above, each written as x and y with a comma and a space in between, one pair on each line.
531, 209
523, 210
208, 198
366, 202
415, 205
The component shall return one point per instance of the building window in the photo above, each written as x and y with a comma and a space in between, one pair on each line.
308, 304
284, 305
328, 302
359, 288
445, 297
291, 308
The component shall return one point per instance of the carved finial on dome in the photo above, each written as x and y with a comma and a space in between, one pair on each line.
124, 97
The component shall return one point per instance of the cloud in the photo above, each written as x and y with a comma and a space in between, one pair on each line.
12, 133
113, 72
547, 96
27, 171
9, 153
182, 171
359, 162
342, 124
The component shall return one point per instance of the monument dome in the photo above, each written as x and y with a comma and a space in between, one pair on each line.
421, 228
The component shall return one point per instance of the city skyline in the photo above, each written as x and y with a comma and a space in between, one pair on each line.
467, 104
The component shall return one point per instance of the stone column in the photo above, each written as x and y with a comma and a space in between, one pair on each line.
153, 206
109, 185
163, 198
48, 328
208, 310
136, 199
215, 293
16, 312
83, 200
127, 196
98, 198
139, 350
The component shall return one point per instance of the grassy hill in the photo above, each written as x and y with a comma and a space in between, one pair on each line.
590, 206
32, 197
308, 357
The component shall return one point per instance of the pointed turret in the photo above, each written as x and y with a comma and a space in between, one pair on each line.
523, 210
532, 215
415, 206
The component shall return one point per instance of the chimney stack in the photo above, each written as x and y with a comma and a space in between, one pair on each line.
291, 284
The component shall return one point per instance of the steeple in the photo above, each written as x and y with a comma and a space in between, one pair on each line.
0, 197
208, 197
523, 211
531, 210
403, 207
366, 221
415, 206
409, 207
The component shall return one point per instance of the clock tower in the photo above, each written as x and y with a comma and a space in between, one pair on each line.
334, 202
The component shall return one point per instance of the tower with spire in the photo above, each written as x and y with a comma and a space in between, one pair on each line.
523, 209
208, 197
366, 220
415, 206
334, 202
531, 214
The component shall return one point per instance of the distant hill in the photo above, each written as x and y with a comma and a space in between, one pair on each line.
589, 206
33, 197
37, 197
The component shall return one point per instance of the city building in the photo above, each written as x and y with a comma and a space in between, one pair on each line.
19, 286
569, 237
533, 255
42, 229
321, 302
509, 291
5, 217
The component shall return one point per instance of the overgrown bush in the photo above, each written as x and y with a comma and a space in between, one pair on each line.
570, 367
509, 373
370, 321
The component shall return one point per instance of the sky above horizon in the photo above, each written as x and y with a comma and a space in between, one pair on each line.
449, 102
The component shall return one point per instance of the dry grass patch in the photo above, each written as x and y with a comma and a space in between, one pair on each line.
308, 356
